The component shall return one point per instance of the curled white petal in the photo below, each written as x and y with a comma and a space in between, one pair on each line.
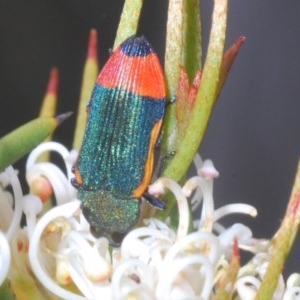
236, 208
255, 245
5, 178
6, 209
183, 208
66, 211
218, 228
62, 188
293, 280
198, 162
5, 257
196, 199
31, 206
279, 292
237, 231
123, 285
135, 246
191, 184
17, 191
206, 219
247, 287
292, 293
95, 266
204, 277
46, 147
80, 278
196, 239
206, 187
72, 158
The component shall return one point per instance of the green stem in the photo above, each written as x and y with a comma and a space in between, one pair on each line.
282, 243
183, 48
192, 55
173, 61
90, 73
129, 21
205, 99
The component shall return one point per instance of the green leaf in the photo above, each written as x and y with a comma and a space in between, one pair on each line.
6, 291
192, 54
22, 140
129, 21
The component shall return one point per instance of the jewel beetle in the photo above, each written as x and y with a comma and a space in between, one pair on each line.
115, 162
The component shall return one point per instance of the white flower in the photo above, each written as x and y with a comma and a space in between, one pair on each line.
154, 261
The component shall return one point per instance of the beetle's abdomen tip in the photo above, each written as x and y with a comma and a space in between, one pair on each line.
108, 215
115, 239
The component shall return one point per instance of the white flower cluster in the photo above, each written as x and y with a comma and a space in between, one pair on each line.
56, 251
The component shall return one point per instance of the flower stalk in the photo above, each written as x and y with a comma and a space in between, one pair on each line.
48, 108
282, 242
90, 73
183, 50
49, 104
188, 146
129, 21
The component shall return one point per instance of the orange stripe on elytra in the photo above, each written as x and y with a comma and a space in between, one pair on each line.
78, 177
139, 191
140, 75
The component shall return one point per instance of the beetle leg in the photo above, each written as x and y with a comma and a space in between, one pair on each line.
154, 201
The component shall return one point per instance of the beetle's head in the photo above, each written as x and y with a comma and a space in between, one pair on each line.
108, 215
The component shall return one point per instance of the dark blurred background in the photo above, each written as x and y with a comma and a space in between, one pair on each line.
253, 137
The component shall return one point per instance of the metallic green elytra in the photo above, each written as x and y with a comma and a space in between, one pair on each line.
115, 163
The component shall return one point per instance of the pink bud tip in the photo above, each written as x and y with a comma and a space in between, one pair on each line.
92, 47
295, 203
208, 170
53, 82
235, 248
242, 39
42, 187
